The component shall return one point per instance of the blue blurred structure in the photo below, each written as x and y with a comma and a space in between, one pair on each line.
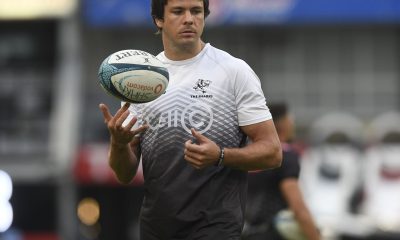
250, 12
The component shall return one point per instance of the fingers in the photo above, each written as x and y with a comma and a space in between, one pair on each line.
192, 155
106, 113
203, 154
188, 153
140, 129
195, 156
120, 132
200, 138
121, 111
192, 147
131, 123
121, 119
193, 132
194, 162
110, 119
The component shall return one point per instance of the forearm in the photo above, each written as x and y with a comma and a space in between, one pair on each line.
123, 162
255, 156
291, 191
307, 224
263, 152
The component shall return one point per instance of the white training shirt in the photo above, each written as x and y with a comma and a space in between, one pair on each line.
215, 94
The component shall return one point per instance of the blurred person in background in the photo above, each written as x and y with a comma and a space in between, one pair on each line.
272, 192
195, 180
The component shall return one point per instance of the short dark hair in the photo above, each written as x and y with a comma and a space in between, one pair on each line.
278, 110
157, 9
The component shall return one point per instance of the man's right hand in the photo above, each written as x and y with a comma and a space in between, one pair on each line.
120, 135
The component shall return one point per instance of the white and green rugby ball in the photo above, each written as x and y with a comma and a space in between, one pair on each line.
133, 76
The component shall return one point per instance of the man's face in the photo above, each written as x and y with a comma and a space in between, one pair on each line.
183, 22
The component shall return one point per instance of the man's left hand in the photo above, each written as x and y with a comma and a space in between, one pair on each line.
203, 153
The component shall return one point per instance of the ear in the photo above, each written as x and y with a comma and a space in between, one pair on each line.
159, 22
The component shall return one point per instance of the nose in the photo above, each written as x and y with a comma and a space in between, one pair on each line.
188, 17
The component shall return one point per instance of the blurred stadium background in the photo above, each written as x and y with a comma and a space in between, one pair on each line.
336, 63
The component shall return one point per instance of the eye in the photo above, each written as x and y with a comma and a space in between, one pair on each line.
177, 11
196, 11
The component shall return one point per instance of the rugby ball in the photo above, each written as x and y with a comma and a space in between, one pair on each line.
133, 76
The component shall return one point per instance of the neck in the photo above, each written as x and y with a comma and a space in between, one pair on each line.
182, 52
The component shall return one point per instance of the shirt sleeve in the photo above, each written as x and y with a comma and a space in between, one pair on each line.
290, 165
250, 99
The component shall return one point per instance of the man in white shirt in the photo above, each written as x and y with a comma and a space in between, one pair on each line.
192, 138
